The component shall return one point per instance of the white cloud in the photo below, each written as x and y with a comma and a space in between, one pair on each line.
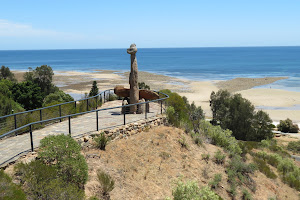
12, 29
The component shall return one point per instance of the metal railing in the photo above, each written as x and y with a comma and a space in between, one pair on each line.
16, 120
30, 125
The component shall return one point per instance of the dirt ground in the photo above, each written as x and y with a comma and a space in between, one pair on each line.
146, 166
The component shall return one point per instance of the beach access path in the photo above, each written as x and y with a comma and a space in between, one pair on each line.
12, 148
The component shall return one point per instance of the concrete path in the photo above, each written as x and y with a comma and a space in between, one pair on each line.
13, 147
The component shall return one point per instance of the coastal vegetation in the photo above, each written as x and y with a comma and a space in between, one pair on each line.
60, 171
287, 126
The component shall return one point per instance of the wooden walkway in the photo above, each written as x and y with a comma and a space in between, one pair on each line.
13, 147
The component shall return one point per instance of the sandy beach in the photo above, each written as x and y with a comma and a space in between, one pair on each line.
279, 104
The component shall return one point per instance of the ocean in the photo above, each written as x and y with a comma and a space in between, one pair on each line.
213, 63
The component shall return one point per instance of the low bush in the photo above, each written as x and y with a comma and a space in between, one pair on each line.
101, 141
219, 157
264, 168
294, 146
63, 153
246, 195
237, 170
220, 137
287, 126
216, 180
42, 182
106, 182
190, 190
9, 190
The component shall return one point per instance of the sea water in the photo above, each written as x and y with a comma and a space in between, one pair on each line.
214, 63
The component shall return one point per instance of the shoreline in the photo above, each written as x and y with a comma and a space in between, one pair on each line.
77, 83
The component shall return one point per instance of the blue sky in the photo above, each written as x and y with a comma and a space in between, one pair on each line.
75, 24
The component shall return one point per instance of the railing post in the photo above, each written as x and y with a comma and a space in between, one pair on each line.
87, 105
161, 102
75, 105
146, 104
60, 112
104, 97
31, 139
41, 116
97, 121
124, 116
70, 125
15, 117
96, 102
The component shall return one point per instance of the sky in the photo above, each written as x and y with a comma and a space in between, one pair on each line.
97, 24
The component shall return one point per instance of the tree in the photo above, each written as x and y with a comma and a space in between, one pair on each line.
28, 94
287, 126
58, 97
237, 114
29, 76
94, 90
43, 77
5, 73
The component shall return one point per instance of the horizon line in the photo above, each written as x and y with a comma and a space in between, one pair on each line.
148, 48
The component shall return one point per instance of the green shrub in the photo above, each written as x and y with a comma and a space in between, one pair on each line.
190, 190
215, 182
294, 146
107, 183
237, 114
220, 137
264, 168
197, 139
9, 190
57, 97
42, 182
101, 141
143, 86
287, 126
246, 195
220, 157
63, 153
237, 170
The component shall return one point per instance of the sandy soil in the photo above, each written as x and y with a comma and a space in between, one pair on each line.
155, 159
78, 83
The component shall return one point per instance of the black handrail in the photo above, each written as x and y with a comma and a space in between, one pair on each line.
76, 114
28, 111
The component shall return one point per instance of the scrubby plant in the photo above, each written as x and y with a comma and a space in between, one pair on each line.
246, 195
43, 182
9, 190
287, 126
294, 146
190, 190
205, 157
219, 157
182, 141
220, 137
197, 139
101, 141
264, 168
216, 181
63, 153
106, 182
237, 170
57, 97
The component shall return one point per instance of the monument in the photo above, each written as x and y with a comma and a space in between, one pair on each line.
133, 78
134, 95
